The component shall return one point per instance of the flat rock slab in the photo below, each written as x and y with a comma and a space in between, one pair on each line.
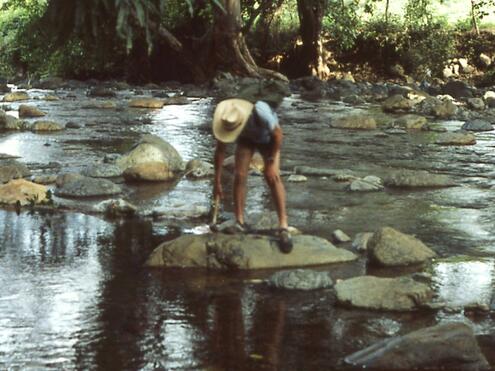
23, 192
222, 251
417, 179
391, 294
356, 122
449, 346
82, 186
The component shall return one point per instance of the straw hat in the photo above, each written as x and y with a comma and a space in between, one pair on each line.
230, 117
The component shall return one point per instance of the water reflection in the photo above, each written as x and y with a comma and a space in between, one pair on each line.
462, 283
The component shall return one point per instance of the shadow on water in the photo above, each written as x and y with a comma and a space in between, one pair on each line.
74, 293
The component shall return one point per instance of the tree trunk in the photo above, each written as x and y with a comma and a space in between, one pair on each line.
231, 51
474, 17
311, 14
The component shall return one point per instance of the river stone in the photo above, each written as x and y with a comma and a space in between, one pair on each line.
389, 247
46, 126
8, 122
295, 178
369, 183
458, 138
4, 88
221, 251
447, 346
257, 164
15, 96
12, 169
30, 111
115, 208
397, 103
300, 279
435, 127
339, 236
198, 169
457, 89
50, 98
360, 242
444, 110
411, 122
23, 192
102, 171
378, 293
152, 149
49, 83
44, 179
101, 92
152, 171
65, 178
476, 104
416, 179
88, 187
477, 125
72, 125
146, 103
354, 122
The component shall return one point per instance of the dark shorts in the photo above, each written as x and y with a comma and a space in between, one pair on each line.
263, 149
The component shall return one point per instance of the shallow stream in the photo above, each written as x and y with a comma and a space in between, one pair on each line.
74, 293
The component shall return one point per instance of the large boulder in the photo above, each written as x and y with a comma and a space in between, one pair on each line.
436, 107
152, 149
447, 346
222, 251
8, 122
12, 169
389, 247
152, 171
23, 192
377, 293
81, 186
416, 179
354, 122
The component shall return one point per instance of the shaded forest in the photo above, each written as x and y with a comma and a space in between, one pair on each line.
192, 41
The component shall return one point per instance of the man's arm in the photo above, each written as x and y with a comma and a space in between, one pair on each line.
219, 157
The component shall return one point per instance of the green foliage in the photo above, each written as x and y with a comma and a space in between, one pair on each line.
343, 23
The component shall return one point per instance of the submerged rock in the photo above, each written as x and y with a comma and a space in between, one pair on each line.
389, 247
81, 186
411, 122
417, 178
198, 169
367, 184
398, 103
360, 242
447, 346
115, 208
221, 251
23, 192
312, 171
300, 279
377, 293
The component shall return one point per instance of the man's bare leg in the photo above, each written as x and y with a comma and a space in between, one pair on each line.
276, 188
243, 156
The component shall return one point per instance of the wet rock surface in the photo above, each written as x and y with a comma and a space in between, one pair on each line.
87, 187
376, 293
300, 279
445, 346
221, 251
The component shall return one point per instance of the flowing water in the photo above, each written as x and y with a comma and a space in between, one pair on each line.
74, 293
